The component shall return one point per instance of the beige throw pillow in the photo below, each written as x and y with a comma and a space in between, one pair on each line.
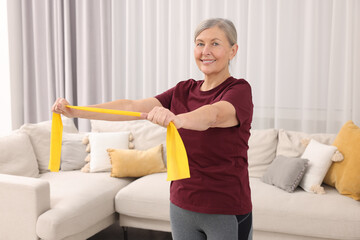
17, 155
136, 163
262, 150
39, 134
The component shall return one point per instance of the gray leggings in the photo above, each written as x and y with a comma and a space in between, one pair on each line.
188, 225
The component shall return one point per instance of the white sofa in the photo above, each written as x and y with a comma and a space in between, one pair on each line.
76, 205
50, 205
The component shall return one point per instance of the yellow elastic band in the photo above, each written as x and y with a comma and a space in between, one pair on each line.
55, 142
177, 161
109, 111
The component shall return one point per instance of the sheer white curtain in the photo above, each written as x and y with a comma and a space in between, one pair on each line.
39, 58
5, 120
300, 56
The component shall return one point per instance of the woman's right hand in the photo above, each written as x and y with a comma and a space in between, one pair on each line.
163, 116
60, 108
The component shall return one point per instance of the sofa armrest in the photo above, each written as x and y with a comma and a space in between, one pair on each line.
22, 201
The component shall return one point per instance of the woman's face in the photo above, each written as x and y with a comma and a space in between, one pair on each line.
213, 52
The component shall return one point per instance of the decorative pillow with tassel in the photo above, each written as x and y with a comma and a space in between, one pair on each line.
87, 159
136, 163
345, 175
319, 156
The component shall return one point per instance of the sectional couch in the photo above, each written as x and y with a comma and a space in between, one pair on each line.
73, 204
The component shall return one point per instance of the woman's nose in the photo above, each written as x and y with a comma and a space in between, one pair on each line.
206, 50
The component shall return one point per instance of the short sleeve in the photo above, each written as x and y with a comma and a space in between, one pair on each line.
165, 98
239, 95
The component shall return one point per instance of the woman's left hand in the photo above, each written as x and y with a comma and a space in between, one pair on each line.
163, 116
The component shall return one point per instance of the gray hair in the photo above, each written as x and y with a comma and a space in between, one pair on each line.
224, 24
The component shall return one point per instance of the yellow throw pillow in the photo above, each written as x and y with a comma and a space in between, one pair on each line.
344, 175
136, 163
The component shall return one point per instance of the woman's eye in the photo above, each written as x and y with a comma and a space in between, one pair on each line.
215, 44
200, 44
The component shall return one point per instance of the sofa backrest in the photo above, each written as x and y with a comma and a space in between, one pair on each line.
266, 144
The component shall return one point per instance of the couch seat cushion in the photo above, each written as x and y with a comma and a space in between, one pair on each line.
147, 197
78, 201
330, 215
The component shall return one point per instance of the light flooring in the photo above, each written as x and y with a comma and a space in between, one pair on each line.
115, 232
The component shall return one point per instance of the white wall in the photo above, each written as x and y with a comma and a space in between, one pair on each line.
5, 112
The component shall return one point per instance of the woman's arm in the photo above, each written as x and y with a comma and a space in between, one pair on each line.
142, 105
220, 114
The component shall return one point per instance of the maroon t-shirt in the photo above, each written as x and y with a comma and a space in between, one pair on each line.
219, 182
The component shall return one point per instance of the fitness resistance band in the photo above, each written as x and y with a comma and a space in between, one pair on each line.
177, 161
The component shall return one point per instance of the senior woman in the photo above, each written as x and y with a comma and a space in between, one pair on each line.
214, 118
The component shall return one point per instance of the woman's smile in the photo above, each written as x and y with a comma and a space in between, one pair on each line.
207, 61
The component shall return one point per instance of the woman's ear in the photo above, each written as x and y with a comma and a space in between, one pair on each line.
234, 49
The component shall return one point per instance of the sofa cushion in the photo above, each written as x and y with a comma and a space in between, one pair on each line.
99, 143
345, 175
291, 142
328, 216
319, 156
285, 173
17, 155
147, 197
78, 200
40, 139
73, 151
262, 150
136, 163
